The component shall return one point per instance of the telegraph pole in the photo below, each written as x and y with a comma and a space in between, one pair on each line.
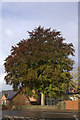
79, 56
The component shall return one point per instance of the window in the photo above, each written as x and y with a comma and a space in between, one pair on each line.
5, 102
1, 102
52, 101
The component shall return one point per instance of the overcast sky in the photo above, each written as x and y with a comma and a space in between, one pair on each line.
18, 18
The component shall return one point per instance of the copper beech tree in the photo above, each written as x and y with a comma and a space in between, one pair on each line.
40, 63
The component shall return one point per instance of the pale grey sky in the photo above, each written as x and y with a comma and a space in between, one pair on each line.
20, 17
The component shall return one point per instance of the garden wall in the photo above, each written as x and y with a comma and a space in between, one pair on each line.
72, 105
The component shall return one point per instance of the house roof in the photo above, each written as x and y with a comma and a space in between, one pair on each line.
9, 94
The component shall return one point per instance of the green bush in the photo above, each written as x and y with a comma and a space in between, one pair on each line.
6, 107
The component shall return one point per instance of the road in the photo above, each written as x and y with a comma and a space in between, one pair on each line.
41, 115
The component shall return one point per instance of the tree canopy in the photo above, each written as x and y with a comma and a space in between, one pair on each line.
40, 62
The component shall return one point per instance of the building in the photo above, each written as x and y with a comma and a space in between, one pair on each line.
11, 97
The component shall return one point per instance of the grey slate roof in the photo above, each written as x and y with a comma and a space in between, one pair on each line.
9, 94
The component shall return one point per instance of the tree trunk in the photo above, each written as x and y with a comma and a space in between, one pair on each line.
42, 99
